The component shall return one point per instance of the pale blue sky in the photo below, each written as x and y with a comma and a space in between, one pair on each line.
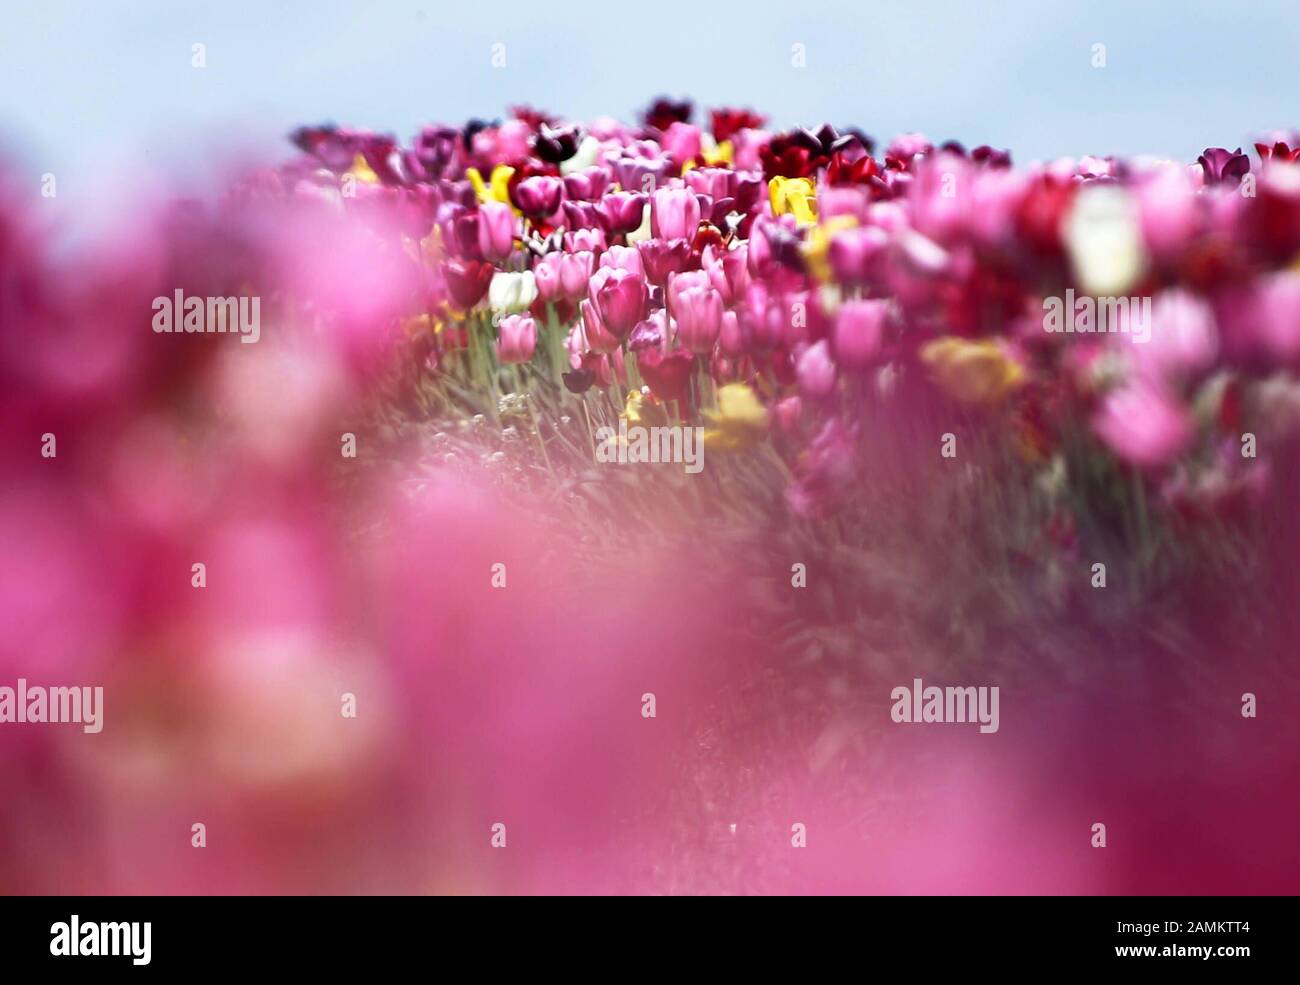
90, 87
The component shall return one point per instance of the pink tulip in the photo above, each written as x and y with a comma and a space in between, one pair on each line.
684, 281
682, 142
623, 258
816, 371
575, 272
859, 332
1143, 424
517, 339
728, 271
496, 230
698, 313
622, 297
595, 336
857, 256
585, 241
547, 275
674, 214
662, 258
1169, 212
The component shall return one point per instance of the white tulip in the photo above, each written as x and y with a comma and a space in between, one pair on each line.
512, 292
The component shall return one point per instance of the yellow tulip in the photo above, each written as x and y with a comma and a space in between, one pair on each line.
797, 196
498, 190
362, 171
972, 370
643, 411
739, 421
817, 246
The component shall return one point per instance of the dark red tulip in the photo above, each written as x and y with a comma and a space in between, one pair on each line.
467, 281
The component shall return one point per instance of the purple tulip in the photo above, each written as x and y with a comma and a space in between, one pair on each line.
1222, 166
538, 197
582, 215
622, 212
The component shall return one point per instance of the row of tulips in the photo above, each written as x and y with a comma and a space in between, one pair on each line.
781, 274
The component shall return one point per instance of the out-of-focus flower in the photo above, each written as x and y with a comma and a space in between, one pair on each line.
856, 255
826, 472
739, 421
668, 374
816, 371
1104, 239
517, 339
682, 142
1184, 338
556, 145
644, 410
1143, 424
859, 333
664, 112
1168, 212
972, 371
726, 123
